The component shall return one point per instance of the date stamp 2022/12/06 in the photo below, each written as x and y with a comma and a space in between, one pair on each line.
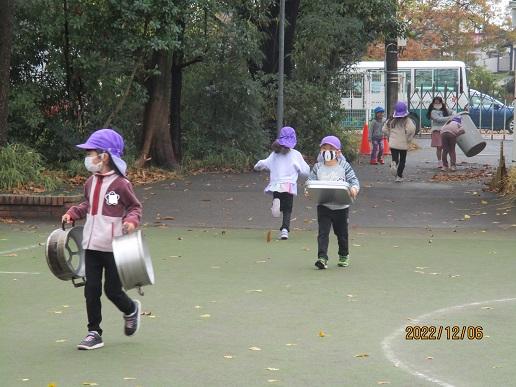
443, 332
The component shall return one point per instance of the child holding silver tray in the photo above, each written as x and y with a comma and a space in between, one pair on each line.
335, 174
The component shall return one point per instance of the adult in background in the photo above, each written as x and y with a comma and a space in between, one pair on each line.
439, 115
400, 130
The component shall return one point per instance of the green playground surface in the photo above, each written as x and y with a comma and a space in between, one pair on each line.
230, 309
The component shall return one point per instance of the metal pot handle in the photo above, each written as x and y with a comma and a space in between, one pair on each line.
63, 224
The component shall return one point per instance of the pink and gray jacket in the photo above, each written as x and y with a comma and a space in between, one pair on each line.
110, 201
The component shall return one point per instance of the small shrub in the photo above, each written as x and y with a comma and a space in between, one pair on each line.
23, 167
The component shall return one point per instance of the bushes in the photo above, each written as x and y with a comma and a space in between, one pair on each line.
22, 166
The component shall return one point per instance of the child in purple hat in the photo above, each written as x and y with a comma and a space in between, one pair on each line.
110, 208
333, 167
449, 134
285, 165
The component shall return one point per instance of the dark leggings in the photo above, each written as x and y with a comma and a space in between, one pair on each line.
339, 220
96, 263
399, 156
449, 141
286, 203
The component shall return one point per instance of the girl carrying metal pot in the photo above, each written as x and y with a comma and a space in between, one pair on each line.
110, 209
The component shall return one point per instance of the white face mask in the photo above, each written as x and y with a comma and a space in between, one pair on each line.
329, 155
438, 106
91, 166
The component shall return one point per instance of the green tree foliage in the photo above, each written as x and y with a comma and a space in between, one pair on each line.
78, 65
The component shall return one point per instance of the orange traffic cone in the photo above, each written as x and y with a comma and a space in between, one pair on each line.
365, 148
386, 147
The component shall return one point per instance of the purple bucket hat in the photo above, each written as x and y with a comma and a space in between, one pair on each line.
400, 110
331, 140
287, 137
457, 119
110, 141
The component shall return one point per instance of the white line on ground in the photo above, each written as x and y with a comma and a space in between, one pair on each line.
391, 356
18, 272
19, 249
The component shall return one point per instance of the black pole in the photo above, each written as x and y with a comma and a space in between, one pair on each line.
391, 74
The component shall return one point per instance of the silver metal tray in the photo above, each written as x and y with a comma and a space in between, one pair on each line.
334, 192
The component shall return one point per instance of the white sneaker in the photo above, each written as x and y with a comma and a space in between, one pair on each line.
444, 169
275, 209
439, 164
284, 234
453, 168
399, 179
394, 168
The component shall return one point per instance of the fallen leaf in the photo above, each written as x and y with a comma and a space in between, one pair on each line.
272, 380
269, 236
429, 357
10, 255
60, 340
466, 216
355, 245
422, 267
290, 344
129, 378
486, 307
272, 369
228, 357
419, 271
197, 306
362, 355
179, 238
89, 384
454, 275
261, 261
205, 316
322, 334
254, 291
250, 219
255, 348
383, 382
483, 202
58, 311
25, 379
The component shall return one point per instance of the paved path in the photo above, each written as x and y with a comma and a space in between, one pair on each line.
238, 201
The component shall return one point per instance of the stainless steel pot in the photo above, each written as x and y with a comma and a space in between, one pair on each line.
133, 261
64, 254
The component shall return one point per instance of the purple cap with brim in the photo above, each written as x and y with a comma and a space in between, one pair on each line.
331, 140
110, 141
287, 137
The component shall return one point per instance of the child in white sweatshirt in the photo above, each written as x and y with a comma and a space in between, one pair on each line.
285, 165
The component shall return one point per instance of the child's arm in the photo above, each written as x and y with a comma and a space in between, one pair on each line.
133, 208
313, 173
411, 130
386, 130
263, 164
351, 177
301, 165
79, 212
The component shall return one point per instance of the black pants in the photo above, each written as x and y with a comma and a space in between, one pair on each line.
399, 156
339, 220
96, 262
286, 203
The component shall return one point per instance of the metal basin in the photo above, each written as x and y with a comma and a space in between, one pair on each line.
133, 261
64, 254
335, 192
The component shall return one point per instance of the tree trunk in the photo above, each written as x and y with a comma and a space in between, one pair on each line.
6, 28
157, 144
175, 103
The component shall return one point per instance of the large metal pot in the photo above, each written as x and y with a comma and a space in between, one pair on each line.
471, 142
64, 254
133, 261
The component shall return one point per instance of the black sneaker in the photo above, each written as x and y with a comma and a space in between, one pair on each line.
132, 321
321, 263
92, 341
